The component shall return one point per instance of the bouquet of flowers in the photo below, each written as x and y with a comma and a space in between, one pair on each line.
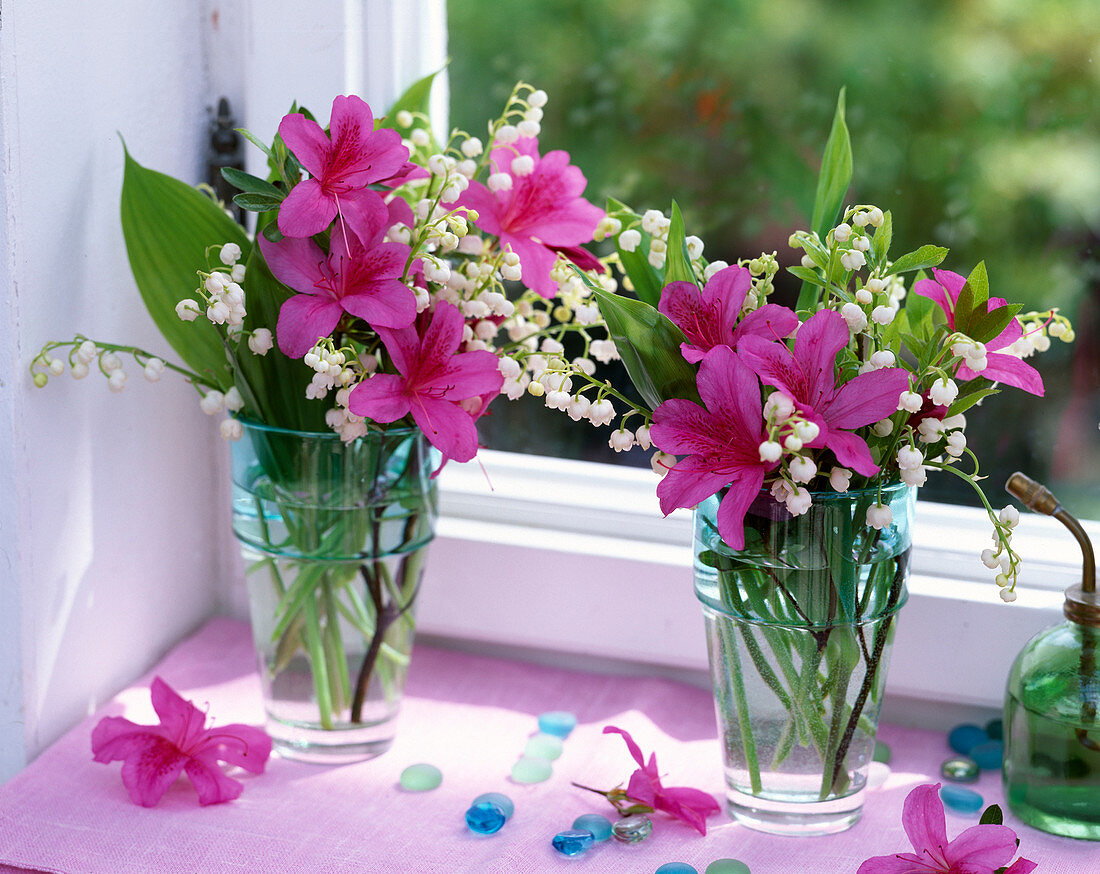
387, 280
797, 434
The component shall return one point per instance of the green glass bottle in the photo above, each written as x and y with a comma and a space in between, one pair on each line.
1052, 732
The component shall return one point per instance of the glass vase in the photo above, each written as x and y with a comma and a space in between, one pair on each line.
334, 537
799, 626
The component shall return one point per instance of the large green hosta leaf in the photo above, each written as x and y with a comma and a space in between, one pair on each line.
167, 226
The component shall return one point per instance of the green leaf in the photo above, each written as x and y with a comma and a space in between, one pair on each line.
807, 275
415, 99
649, 346
257, 202
880, 243
925, 256
964, 403
836, 174
251, 184
992, 815
276, 383
964, 309
677, 261
979, 287
985, 328
167, 226
832, 186
257, 142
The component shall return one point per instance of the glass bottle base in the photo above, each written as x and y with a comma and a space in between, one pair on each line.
340, 746
795, 818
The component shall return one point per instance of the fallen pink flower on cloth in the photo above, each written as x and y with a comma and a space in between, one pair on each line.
981, 849
692, 806
154, 755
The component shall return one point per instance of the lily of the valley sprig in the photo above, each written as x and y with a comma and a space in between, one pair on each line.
866, 382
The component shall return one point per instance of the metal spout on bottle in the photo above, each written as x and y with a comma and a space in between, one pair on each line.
1082, 604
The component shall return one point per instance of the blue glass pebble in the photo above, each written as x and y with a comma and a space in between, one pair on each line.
988, 755
573, 841
485, 818
677, 868
960, 800
500, 800
727, 866
599, 825
963, 738
995, 728
558, 723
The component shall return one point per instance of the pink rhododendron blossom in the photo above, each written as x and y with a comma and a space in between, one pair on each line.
443, 389
154, 755
721, 443
341, 164
808, 376
1001, 367
981, 849
710, 317
692, 806
361, 275
542, 213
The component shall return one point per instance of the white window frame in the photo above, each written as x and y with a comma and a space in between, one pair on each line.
560, 559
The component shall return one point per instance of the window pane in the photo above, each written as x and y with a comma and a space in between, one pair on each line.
975, 123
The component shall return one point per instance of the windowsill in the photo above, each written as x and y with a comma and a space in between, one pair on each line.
574, 558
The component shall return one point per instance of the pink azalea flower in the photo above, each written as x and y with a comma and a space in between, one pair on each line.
1002, 367
689, 805
721, 443
710, 317
361, 275
445, 390
154, 755
808, 376
981, 849
341, 164
542, 213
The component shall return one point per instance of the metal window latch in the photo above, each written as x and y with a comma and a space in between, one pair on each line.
226, 149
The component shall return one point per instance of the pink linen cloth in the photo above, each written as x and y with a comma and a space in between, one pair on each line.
471, 716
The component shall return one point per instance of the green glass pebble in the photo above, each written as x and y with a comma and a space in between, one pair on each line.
960, 769
882, 753
557, 722
421, 777
544, 746
960, 800
531, 769
599, 825
677, 868
989, 755
727, 866
631, 829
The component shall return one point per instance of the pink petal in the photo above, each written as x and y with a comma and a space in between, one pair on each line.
1021, 866
631, 745
990, 845
241, 745
381, 397
867, 398
923, 819
306, 140
303, 320
536, 262
442, 338
448, 427
816, 346
690, 481
732, 391
850, 450
387, 304
770, 322
367, 217
640, 788
400, 213
1007, 370
774, 364
696, 799
472, 374
361, 155
481, 199
744, 487
1013, 330
306, 210
403, 345
298, 263
899, 863
148, 772
180, 720
210, 781
682, 427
